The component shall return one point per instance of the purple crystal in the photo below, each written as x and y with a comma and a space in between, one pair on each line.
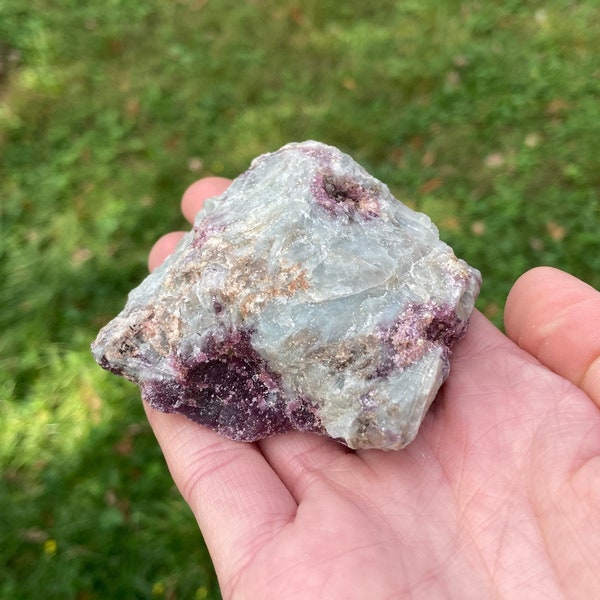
305, 297
344, 197
228, 387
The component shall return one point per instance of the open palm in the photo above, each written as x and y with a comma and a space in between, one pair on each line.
498, 496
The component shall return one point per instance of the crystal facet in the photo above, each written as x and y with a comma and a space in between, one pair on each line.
305, 297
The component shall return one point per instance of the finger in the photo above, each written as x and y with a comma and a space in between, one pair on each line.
556, 317
304, 459
162, 248
192, 201
234, 494
198, 192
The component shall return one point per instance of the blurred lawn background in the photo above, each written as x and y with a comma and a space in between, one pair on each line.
484, 114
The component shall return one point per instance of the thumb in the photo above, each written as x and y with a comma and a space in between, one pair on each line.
556, 318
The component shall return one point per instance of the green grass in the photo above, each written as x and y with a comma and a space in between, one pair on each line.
486, 115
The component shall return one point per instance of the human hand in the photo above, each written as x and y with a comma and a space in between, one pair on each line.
497, 497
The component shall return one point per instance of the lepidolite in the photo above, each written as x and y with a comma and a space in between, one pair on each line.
305, 297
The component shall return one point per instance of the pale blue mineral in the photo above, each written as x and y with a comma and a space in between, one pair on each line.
305, 297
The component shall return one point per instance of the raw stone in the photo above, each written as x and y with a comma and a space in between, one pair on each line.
305, 297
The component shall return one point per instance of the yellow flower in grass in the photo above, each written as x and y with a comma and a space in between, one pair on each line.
202, 593
50, 547
158, 589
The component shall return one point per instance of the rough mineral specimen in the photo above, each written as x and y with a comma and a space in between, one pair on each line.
305, 297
